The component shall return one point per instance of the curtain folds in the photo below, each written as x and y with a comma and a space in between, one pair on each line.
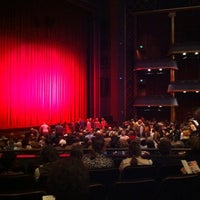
43, 65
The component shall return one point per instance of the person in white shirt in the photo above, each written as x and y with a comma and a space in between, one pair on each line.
135, 157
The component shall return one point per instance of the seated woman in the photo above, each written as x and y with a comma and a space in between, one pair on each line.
135, 157
96, 158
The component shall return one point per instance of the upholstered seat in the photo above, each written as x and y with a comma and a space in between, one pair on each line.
97, 192
16, 183
168, 170
135, 189
182, 187
104, 175
135, 172
31, 195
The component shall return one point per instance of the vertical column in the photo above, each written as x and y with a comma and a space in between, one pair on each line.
172, 71
122, 61
114, 60
93, 61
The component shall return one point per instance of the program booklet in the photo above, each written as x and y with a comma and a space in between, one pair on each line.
191, 167
48, 197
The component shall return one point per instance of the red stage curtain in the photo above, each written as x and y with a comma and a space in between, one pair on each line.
43, 65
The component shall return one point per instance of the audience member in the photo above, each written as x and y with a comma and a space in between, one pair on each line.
68, 179
48, 155
76, 151
35, 132
166, 157
10, 142
140, 129
97, 124
156, 134
44, 129
194, 154
59, 131
62, 142
104, 123
132, 135
3, 142
42, 141
193, 128
123, 139
114, 142
96, 158
135, 157
165, 147
150, 143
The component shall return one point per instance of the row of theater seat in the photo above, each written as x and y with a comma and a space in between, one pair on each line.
110, 184
110, 175
170, 188
26, 195
182, 187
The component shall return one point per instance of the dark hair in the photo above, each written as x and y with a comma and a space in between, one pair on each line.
68, 179
76, 151
150, 143
134, 151
98, 144
49, 154
164, 146
195, 144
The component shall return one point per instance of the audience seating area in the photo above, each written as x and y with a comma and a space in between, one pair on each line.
29, 159
138, 182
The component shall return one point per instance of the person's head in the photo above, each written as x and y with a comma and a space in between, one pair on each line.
76, 151
150, 143
68, 179
49, 154
98, 144
143, 142
164, 146
134, 149
195, 144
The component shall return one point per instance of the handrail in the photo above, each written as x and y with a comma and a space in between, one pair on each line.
64, 150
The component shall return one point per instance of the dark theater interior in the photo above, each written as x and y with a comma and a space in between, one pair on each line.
99, 99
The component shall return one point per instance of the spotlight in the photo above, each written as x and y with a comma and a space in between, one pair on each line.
141, 46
